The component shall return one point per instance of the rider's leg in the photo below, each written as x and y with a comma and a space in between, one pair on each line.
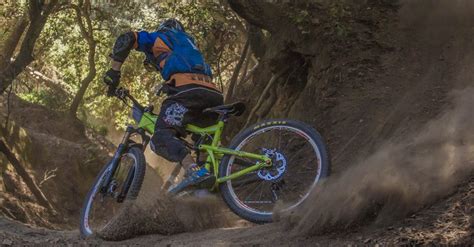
165, 143
188, 162
177, 111
169, 126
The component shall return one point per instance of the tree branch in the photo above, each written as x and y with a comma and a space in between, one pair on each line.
88, 35
219, 70
249, 74
32, 186
263, 95
85, 31
38, 13
235, 74
246, 66
257, 41
12, 41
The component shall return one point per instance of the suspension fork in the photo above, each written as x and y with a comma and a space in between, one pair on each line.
126, 184
122, 147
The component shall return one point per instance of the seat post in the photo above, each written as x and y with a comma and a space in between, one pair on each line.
223, 117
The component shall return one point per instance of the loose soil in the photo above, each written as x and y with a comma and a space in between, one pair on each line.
408, 101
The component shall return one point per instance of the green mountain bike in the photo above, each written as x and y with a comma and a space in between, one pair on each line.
274, 161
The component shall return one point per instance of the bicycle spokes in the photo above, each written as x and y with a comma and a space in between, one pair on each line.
108, 202
294, 169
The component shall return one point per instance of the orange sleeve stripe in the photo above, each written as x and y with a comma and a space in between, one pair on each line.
159, 47
135, 45
162, 63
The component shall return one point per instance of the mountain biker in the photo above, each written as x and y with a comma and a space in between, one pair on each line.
189, 89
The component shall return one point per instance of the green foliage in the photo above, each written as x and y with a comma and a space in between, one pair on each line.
45, 97
338, 12
299, 16
61, 52
10, 13
99, 129
303, 16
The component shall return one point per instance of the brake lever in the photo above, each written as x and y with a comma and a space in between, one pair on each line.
159, 89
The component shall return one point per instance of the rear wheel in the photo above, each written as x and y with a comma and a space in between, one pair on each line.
102, 206
299, 159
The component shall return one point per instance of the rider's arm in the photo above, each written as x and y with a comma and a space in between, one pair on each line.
122, 47
141, 41
123, 44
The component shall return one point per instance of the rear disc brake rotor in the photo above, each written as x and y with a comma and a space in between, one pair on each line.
277, 170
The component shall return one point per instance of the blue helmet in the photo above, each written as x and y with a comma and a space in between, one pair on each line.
171, 24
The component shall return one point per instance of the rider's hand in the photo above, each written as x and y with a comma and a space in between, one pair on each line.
112, 79
159, 89
111, 91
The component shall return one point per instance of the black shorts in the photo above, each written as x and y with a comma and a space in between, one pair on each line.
185, 107
179, 109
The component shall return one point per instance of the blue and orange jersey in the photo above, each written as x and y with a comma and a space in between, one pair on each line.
175, 55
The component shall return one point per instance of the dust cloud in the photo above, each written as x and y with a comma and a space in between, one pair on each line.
396, 180
153, 212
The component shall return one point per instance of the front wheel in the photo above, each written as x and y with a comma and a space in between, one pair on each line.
299, 162
105, 202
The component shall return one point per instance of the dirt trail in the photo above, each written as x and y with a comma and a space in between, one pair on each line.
433, 54
448, 221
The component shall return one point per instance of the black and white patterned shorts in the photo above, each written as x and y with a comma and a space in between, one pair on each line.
186, 108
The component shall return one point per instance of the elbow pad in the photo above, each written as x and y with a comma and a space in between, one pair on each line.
122, 46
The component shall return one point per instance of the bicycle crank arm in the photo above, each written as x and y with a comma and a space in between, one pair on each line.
172, 177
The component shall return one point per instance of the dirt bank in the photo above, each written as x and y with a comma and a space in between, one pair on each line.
401, 141
57, 154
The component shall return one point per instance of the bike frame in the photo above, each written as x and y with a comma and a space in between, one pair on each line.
214, 150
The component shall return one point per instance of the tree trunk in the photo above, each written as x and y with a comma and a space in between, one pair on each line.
235, 74
88, 35
257, 41
12, 41
84, 83
259, 13
38, 14
32, 186
273, 36
263, 95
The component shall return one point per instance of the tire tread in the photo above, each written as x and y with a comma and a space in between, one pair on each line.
132, 192
225, 192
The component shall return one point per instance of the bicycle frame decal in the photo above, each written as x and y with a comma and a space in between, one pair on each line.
147, 122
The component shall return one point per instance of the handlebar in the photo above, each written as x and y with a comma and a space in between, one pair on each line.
123, 94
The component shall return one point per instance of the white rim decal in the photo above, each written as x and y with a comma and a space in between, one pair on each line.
95, 190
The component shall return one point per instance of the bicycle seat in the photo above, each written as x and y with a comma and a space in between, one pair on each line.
235, 109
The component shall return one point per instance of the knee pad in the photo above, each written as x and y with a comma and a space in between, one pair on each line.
165, 144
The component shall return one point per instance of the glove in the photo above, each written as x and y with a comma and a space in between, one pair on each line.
112, 79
